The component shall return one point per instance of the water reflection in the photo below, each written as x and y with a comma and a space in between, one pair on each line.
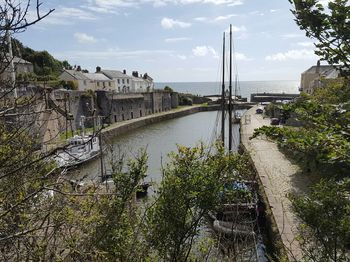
160, 139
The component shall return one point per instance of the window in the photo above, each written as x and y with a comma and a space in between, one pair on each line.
123, 81
132, 115
118, 88
127, 80
109, 84
98, 83
118, 81
84, 82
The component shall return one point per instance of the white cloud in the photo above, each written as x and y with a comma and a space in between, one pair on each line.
72, 13
84, 38
306, 44
236, 29
324, 2
257, 13
204, 51
201, 19
301, 54
169, 23
112, 54
63, 16
177, 39
241, 57
108, 6
224, 17
182, 57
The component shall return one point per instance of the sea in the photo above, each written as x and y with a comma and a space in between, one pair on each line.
244, 88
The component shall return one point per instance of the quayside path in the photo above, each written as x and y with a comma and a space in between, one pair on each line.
278, 177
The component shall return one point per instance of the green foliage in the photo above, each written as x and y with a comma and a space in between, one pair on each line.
326, 217
168, 88
190, 188
71, 85
118, 233
329, 27
44, 63
324, 139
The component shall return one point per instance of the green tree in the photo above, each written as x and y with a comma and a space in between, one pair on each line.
325, 213
330, 27
189, 190
168, 88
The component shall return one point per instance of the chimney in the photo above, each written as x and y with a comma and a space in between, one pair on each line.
135, 73
124, 72
98, 69
318, 66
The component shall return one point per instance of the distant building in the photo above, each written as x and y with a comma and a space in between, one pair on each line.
122, 80
311, 78
21, 66
88, 81
100, 81
136, 83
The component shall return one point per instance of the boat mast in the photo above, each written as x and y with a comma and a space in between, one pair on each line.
230, 96
223, 103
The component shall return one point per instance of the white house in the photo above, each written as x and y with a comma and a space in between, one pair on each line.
81, 81
123, 82
88, 81
100, 81
311, 78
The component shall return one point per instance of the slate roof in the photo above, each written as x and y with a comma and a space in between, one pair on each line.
114, 74
78, 75
16, 60
96, 77
324, 70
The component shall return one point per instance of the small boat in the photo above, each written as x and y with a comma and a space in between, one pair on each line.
79, 149
236, 118
233, 228
237, 217
142, 189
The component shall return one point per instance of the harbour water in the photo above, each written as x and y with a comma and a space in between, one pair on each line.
159, 140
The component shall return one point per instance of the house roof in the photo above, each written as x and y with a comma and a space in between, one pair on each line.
78, 75
16, 60
114, 74
137, 79
322, 69
96, 77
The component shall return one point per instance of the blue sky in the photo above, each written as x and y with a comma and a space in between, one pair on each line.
175, 40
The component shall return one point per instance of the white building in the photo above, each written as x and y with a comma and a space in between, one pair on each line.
87, 81
21, 66
100, 82
311, 78
123, 82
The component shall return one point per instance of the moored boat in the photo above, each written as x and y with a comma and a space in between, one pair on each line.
79, 149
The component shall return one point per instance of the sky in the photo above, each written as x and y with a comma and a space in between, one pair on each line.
174, 40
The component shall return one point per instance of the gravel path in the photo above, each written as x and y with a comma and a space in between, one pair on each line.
278, 176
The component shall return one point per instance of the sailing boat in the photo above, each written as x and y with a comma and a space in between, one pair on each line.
235, 217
